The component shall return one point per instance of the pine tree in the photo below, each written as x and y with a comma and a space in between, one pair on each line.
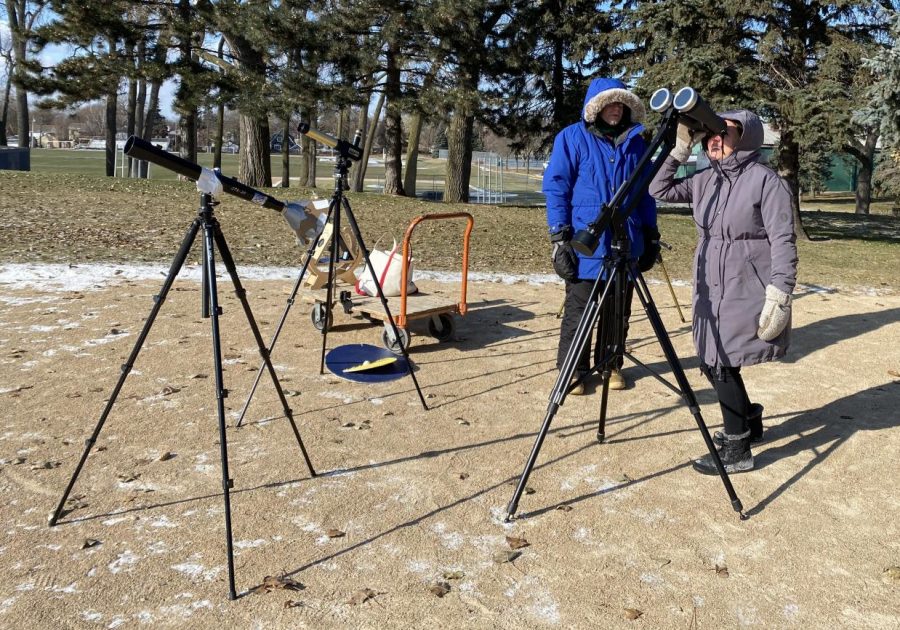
102, 36
881, 108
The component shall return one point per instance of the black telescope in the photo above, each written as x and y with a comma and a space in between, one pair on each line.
346, 149
142, 150
696, 113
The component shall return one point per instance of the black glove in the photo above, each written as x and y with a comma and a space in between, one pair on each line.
651, 249
565, 260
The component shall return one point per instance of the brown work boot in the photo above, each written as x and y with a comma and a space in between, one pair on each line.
576, 390
616, 380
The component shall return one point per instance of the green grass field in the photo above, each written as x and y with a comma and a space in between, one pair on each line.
519, 187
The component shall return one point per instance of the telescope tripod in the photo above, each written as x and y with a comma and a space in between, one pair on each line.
212, 237
324, 317
619, 271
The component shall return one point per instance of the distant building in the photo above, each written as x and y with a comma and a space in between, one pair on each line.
276, 142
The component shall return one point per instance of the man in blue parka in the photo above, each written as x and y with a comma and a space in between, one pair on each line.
590, 161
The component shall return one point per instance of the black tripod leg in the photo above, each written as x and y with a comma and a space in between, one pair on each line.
334, 210
287, 308
612, 337
686, 391
384, 303
158, 300
241, 293
560, 389
221, 393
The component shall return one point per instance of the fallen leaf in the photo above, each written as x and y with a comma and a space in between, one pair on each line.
624, 479
335, 533
128, 477
291, 393
661, 561
292, 604
439, 588
45, 466
529, 490
565, 507
166, 456
633, 613
894, 373
516, 543
463, 476
722, 571
271, 582
502, 557
90, 542
453, 575
361, 596
196, 376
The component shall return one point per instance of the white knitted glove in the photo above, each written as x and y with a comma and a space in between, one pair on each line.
776, 313
685, 139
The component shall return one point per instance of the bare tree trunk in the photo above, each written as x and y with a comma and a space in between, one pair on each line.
343, 130
220, 117
131, 113
865, 155
6, 92
111, 110
393, 126
311, 165
412, 154
220, 135
141, 101
286, 153
360, 180
789, 169
459, 157
362, 121
255, 169
189, 135
18, 25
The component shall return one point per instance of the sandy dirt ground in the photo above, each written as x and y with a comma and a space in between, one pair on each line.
403, 526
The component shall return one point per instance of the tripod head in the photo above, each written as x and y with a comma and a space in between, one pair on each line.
687, 107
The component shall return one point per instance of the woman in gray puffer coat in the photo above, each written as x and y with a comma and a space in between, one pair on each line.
745, 270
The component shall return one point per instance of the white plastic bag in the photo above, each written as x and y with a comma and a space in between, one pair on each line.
389, 272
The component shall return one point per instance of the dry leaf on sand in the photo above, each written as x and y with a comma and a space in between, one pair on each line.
271, 583
361, 596
516, 543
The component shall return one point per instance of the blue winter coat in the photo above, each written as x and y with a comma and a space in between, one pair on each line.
585, 171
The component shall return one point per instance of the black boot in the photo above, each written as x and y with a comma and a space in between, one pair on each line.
754, 421
734, 453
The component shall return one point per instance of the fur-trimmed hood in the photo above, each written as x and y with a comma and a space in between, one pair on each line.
602, 92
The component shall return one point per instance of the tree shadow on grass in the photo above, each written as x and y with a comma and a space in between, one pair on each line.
847, 225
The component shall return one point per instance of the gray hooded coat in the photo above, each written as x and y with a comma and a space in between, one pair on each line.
742, 209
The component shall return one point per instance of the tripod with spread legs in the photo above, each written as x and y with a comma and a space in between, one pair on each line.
212, 238
346, 151
619, 271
